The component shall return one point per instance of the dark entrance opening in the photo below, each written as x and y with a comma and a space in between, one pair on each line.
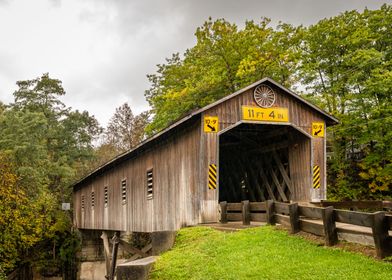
254, 162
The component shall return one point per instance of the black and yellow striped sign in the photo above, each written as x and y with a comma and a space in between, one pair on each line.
212, 177
316, 176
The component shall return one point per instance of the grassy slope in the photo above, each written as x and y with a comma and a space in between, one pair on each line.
260, 253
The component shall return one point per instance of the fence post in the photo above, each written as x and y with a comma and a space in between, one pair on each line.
270, 212
223, 212
294, 217
245, 212
380, 234
331, 235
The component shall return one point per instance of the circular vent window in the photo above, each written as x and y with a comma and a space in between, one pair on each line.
264, 96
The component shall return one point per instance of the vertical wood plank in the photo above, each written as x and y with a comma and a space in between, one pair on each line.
331, 236
270, 212
294, 218
380, 234
223, 212
245, 212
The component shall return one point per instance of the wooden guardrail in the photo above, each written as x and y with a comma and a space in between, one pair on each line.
316, 220
377, 205
244, 211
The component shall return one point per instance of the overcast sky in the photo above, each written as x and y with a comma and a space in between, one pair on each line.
103, 49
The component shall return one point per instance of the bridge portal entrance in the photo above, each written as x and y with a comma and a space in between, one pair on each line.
259, 162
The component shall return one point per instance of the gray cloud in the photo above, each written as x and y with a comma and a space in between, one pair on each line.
103, 49
55, 3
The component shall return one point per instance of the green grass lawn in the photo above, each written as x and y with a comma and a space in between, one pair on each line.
260, 253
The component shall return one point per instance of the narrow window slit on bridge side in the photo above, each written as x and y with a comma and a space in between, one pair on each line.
149, 184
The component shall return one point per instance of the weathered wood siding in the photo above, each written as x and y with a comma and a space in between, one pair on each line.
300, 168
175, 190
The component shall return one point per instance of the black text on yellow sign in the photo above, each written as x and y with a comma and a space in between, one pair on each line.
212, 176
318, 129
316, 176
265, 114
211, 124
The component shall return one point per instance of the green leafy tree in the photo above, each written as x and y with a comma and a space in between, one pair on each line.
41, 95
55, 141
22, 137
74, 150
347, 68
223, 60
49, 145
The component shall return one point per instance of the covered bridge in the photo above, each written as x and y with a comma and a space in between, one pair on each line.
262, 142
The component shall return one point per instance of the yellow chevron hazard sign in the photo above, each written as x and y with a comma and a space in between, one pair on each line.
212, 176
316, 176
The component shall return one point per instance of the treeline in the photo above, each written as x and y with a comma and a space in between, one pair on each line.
343, 64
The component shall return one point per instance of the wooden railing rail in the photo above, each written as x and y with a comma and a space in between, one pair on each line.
244, 211
316, 220
376, 205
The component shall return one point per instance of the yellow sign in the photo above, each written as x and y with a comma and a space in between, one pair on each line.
265, 114
316, 176
212, 176
211, 124
318, 129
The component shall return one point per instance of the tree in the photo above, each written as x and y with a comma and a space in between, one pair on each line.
49, 145
46, 138
23, 222
41, 95
102, 154
75, 149
223, 60
22, 137
347, 62
125, 130
9, 198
